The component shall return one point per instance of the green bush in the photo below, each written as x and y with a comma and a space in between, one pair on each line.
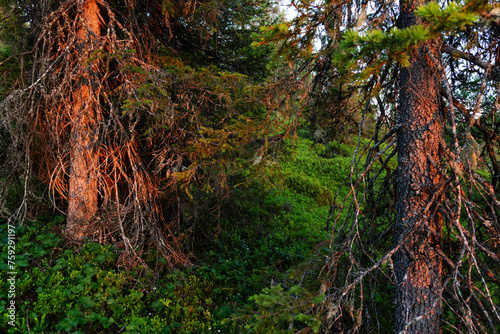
82, 291
262, 240
281, 310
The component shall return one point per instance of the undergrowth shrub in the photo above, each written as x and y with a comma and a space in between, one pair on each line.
257, 261
284, 310
82, 291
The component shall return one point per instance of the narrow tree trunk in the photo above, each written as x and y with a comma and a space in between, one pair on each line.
418, 267
82, 197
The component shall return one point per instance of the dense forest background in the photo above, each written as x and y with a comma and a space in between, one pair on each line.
208, 166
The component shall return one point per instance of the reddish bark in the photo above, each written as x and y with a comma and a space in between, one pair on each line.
83, 188
418, 266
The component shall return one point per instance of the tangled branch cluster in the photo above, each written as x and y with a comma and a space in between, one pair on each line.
150, 129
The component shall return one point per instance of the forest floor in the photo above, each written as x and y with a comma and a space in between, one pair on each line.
258, 273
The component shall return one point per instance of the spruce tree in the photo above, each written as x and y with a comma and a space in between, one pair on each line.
412, 245
125, 113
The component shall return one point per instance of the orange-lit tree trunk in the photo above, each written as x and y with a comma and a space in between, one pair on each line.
417, 264
83, 191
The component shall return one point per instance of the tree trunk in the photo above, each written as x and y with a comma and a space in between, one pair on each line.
83, 191
418, 267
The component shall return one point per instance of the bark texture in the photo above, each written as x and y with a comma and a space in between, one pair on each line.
83, 187
418, 267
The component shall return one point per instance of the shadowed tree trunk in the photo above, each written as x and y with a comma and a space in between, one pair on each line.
84, 117
418, 266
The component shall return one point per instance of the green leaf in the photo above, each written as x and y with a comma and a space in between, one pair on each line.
157, 305
79, 288
86, 301
107, 322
